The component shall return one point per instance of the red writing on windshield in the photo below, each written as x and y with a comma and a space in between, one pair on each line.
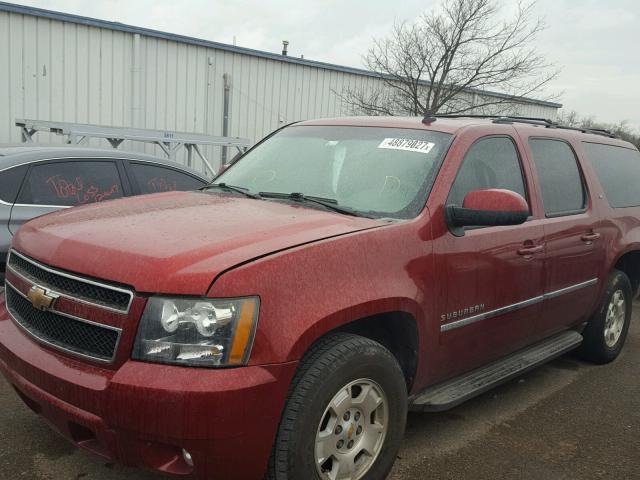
77, 190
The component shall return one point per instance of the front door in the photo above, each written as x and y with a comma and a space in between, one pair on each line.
490, 280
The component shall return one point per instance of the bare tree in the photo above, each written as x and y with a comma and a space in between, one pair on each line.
621, 129
439, 63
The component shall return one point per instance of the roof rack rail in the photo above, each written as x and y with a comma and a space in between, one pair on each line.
503, 118
545, 122
529, 120
594, 131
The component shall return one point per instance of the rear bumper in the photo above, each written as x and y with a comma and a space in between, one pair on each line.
145, 414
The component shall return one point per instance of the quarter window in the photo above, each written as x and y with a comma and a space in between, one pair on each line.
152, 179
618, 170
562, 188
490, 163
71, 183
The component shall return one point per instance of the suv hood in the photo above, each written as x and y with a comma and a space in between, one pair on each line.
176, 242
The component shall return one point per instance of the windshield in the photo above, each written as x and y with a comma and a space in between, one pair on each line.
381, 172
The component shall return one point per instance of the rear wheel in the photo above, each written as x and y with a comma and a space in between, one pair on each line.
345, 415
607, 329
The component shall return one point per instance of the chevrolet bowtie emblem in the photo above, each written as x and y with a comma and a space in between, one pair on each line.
40, 299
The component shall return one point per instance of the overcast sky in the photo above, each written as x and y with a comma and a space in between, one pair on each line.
595, 42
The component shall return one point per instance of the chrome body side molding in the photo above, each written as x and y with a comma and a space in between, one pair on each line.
515, 306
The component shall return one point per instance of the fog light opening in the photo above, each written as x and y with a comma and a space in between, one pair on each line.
187, 458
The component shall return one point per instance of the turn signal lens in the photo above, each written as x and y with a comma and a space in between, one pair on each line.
244, 332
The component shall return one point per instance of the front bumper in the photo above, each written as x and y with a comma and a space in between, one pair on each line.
144, 414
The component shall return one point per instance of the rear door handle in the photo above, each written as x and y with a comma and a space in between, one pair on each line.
531, 250
590, 238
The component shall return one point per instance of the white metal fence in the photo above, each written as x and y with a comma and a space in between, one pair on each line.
72, 69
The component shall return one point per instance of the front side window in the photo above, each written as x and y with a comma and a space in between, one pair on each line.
71, 183
10, 181
382, 172
491, 162
562, 188
618, 170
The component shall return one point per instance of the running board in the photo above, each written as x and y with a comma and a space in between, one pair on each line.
453, 392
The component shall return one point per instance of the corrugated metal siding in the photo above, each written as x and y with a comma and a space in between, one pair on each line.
64, 71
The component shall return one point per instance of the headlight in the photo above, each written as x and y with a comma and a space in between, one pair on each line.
197, 332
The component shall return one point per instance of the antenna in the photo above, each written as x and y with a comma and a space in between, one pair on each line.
428, 118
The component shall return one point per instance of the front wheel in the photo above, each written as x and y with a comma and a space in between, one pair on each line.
345, 415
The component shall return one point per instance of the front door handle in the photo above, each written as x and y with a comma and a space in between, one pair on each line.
589, 238
527, 251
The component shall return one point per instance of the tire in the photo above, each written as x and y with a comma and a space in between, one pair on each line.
341, 368
605, 334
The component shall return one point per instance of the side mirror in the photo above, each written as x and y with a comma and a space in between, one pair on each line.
487, 208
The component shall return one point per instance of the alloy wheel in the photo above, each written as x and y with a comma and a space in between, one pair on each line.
352, 431
616, 316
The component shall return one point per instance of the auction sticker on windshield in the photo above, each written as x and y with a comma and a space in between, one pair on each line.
407, 144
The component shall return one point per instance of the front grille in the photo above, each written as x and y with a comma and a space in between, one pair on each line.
83, 290
66, 333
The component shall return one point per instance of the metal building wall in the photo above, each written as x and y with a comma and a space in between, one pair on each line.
65, 71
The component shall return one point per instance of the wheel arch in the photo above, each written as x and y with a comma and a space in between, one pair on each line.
629, 263
400, 330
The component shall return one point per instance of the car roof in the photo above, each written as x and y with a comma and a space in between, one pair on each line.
12, 155
445, 125
454, 125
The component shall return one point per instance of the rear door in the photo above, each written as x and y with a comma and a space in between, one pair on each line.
56, 184
572, 235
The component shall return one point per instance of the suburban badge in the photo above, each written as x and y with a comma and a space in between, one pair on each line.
463, 312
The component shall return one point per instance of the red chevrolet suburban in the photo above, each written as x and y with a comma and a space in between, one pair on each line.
280, 322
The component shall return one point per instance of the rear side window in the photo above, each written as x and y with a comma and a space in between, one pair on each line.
153, 179
618, 170
71, 183
10, 181
490, 163
562, 188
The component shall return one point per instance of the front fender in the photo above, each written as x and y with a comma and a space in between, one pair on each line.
311, 290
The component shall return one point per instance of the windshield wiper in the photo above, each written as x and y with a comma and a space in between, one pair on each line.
329, 203
231, 188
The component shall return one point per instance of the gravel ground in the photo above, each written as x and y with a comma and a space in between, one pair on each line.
565, 420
